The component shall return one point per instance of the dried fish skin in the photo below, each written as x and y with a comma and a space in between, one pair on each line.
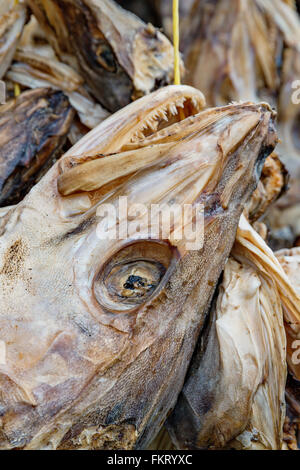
234, 393
78, 386
272, 185
33, 128
241, 42
35, 70
290, 261
12, 20
114, 49
250, 50
292, 424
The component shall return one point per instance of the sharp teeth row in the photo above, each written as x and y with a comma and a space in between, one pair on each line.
173, 109
170, 109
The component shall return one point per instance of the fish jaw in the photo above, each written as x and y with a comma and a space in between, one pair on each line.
73, 364
125, 61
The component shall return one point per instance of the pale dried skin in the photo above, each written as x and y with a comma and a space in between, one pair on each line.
272, 184
12, 19
115, 51
72, 365
241, 42
250, 49
33, 128
34, 70
234, 394
290, 262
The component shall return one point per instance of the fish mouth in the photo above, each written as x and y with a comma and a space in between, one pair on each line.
139, 121
173, 111
145, 134
141, 124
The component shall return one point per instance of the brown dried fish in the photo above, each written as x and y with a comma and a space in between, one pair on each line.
33, 128
33, 70
119, 56
234, 395
12, 19
250, 49
206, 417
74, 344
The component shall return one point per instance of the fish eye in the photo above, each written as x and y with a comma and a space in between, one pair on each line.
133, 275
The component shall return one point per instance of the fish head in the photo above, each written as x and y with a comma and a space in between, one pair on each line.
112, 48
97, 331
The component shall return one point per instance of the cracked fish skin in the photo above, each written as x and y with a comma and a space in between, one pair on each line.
33, 128
113, 49
71, 365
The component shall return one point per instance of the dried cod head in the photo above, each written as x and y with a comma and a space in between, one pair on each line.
111, 48
75, 336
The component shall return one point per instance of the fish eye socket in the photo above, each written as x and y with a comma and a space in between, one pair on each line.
133, 275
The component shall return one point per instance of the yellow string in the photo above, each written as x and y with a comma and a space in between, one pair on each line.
17, 90
176, 42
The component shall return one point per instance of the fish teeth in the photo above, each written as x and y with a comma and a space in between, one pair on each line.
173, 109
180, 103
195, 102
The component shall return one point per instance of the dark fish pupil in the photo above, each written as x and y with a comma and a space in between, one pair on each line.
133, 282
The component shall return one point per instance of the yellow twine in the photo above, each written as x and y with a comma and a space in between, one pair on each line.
176, 42
17, 90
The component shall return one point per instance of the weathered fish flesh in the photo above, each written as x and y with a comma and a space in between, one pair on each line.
250, 49
119, 56
205, 416
77, 332
12, 20
272, 185
34, 70
290, 262
234, 396
33, 128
